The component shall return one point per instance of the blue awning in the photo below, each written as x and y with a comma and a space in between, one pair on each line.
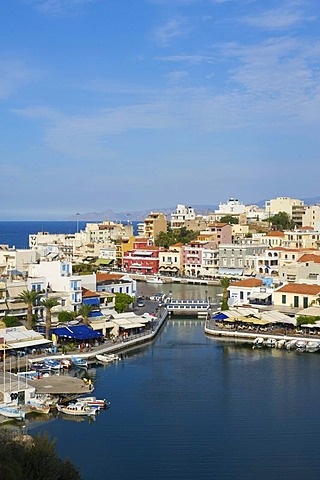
219, 316
77, 332
96, 313
91, 301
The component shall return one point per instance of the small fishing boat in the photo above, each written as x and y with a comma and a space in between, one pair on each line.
38, 406
301, 345
12, 412
258, 342
52, 363
154, 279
312, 346
94, 402
79, 362
66, 363
281, 344
270, 342
291, 344
77, 409
108, 357
40, 367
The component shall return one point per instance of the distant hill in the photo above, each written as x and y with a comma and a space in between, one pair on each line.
140, 215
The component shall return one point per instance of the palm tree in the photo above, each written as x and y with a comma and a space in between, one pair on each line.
29, 297
224, 282
316, 300
85, 311
48, 304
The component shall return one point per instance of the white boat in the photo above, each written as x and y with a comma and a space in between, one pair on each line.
38, 407
312, 346
271, 342
291, 344
78, 409
52, 364
258, 342
301, 345
66, 363
281, 344
94, 402
108, 357
79, 362
12, 412
154, 279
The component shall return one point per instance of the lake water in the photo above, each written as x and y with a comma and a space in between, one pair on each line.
191, 407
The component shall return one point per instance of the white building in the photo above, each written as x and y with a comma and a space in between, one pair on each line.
232, 207
181, 215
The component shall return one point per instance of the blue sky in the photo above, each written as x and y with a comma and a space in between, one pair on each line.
142, 104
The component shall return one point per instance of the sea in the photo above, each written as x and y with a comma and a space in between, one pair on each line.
188, 406
16, 233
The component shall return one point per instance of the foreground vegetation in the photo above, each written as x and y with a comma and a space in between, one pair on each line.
25, 458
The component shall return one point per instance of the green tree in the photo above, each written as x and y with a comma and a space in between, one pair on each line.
65, 316
177, 235
229, 219
281, 221
29, 297
122, 301
85, 311
10, 321
307, 319
48, 304
224, 282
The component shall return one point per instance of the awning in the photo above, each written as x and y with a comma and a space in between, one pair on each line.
77, 332
104, 261
91, 301
259, 296
29, 343
95, 314
230, 271
219, 316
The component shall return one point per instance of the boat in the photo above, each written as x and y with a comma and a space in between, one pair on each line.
271, 342
108, 357
301, 345
94, 402
281, 343
52, 363
258, 342
40, 367
154, 279
38, 406
77, 409
79, 362
12, 412
66, 363
291, 344
312, 346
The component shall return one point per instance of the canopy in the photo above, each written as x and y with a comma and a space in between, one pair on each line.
219, 316
230, 271
77, 332
259, 296
91, 301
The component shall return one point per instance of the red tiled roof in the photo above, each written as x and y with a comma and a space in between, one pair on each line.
103, 277
248, 282
309, 257
275, 234
88, 293
302, 288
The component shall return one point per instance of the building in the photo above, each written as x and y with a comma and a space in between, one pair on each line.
239, 259
311, 217
219, 233
143, 258
282, 204
170, 260
296, 295
305, 268
181, 215
250, 291
154, 224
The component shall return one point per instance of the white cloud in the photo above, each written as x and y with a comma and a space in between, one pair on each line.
185, 58
58, 6
279, 18
176, 75
172, 29
14, 74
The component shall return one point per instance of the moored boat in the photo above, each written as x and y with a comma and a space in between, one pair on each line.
79, 362
258, 342
108, 357
291, 344
312, 346
52, 363
271, 342
154, 279
12, 412
66, 363
300, 345
94, 402
281, 343
77, 409
38, 407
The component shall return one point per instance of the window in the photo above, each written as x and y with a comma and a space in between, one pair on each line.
305, 302
296, 301
241, 295
284, 299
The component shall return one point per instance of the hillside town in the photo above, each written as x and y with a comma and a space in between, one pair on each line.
266, 263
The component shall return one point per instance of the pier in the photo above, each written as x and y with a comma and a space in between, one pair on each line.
188, 307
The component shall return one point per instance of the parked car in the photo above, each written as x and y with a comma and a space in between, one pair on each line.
140, 302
